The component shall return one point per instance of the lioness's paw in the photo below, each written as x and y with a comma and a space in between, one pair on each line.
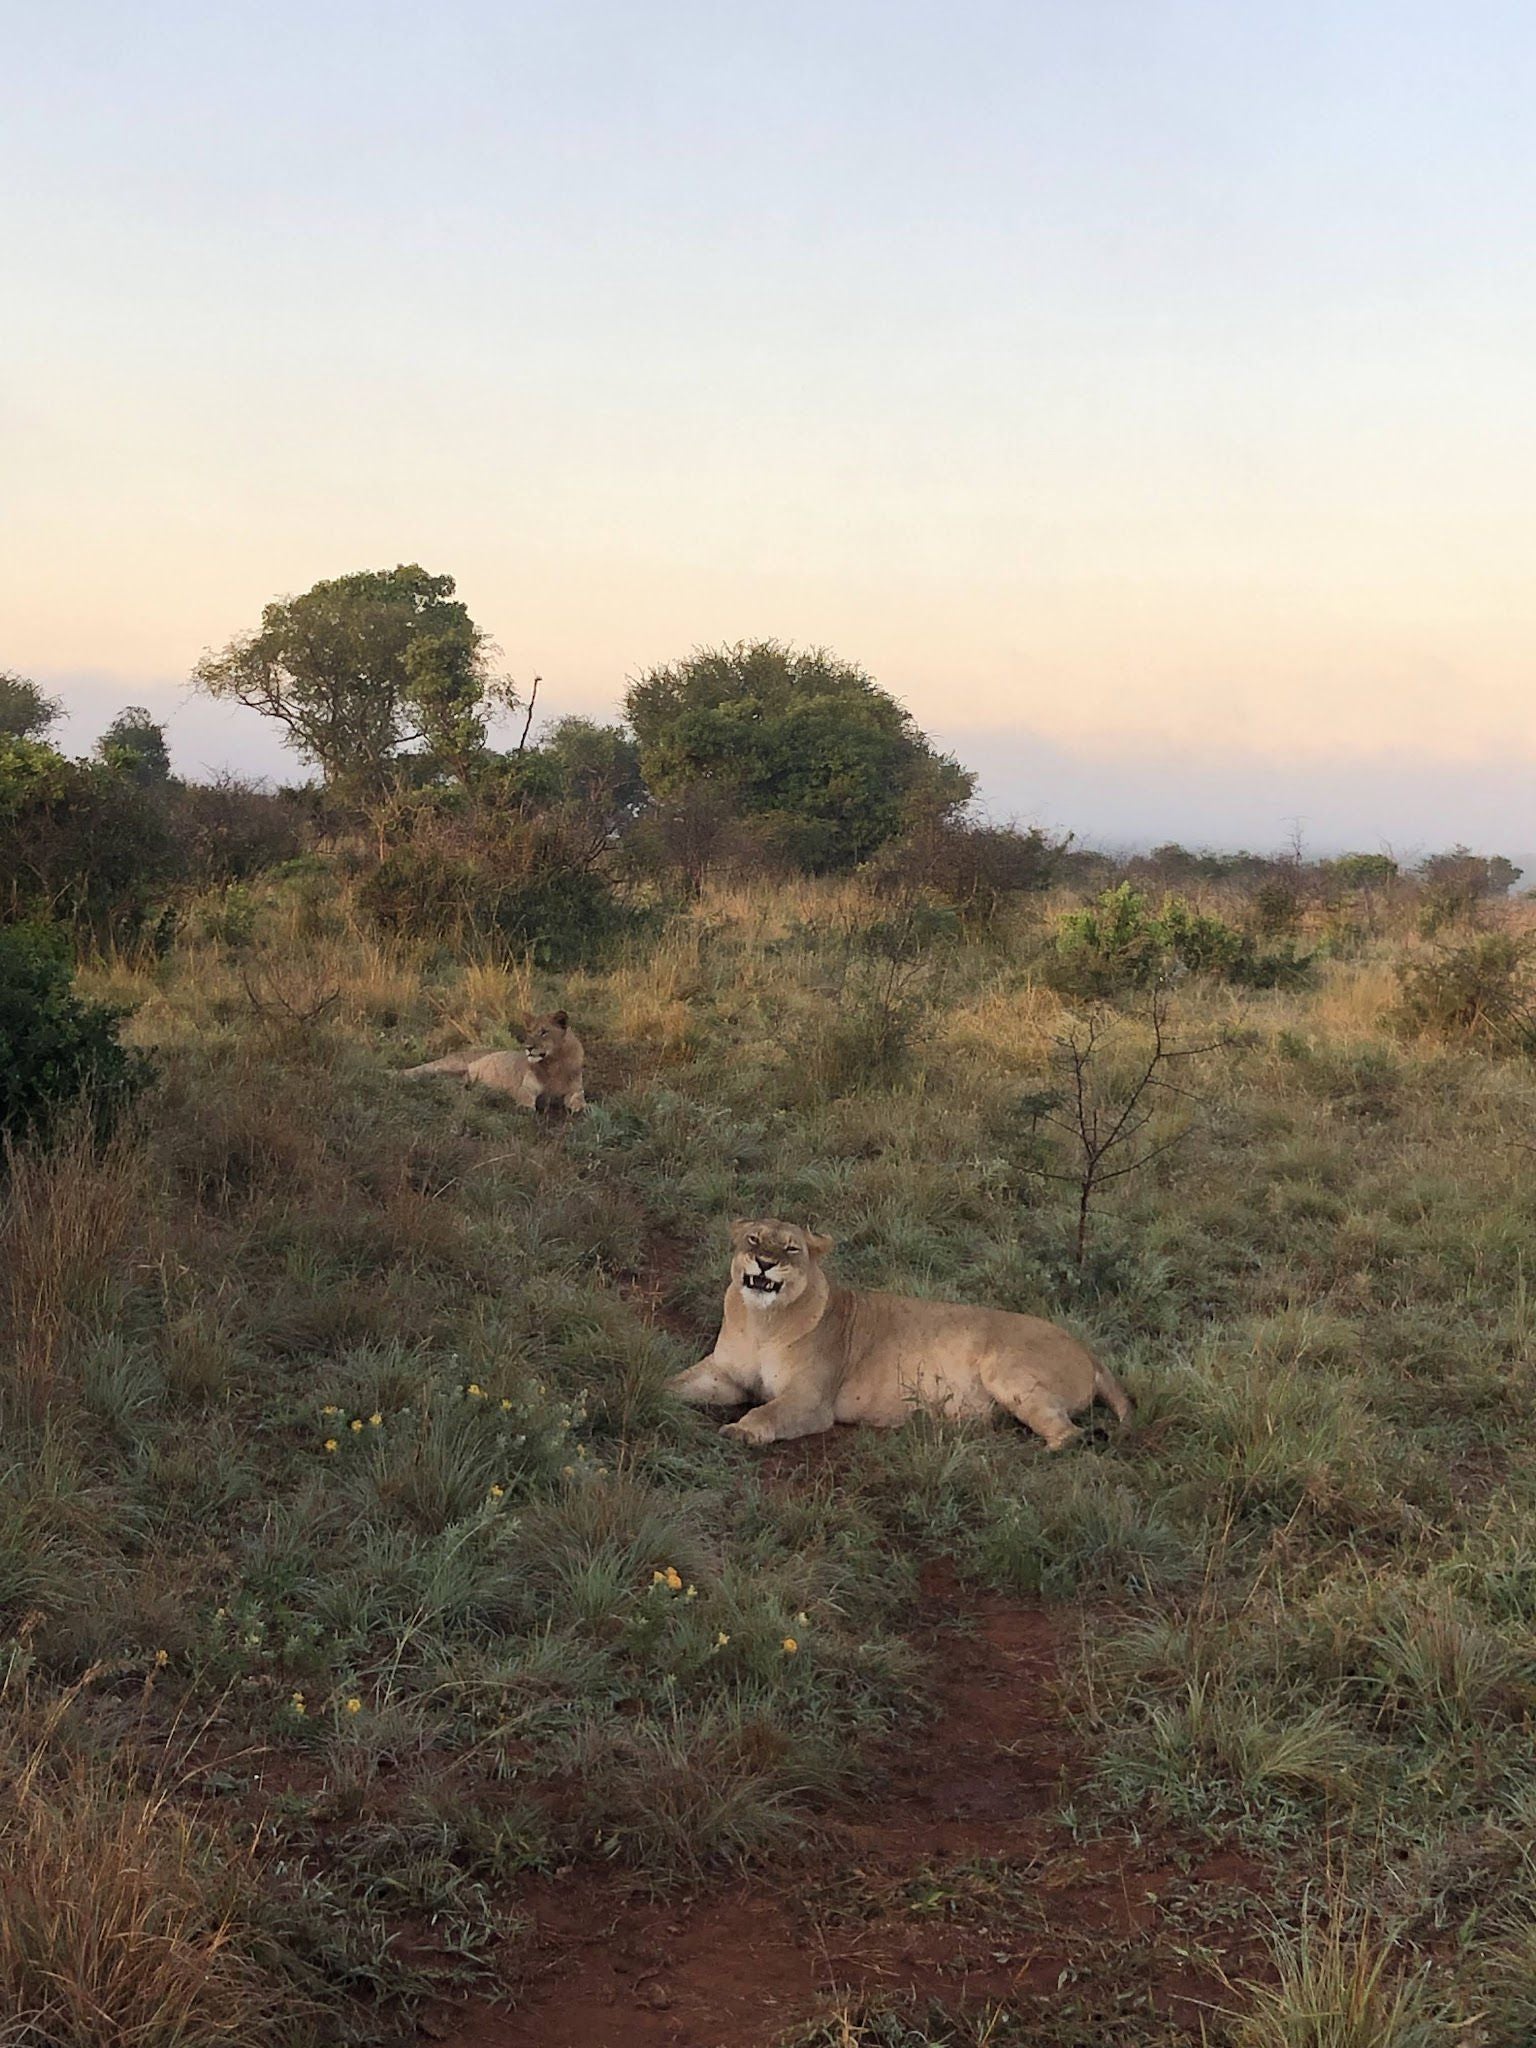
750, 1430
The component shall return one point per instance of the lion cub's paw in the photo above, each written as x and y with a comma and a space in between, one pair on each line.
750, 1430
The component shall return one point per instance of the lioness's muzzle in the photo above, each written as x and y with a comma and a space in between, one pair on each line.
761, 1282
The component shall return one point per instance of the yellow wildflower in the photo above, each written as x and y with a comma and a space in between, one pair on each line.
354, 1706
330, 1408
505, 1406
567, 1471
692, 1593
162, 1658
296, 1701
497, 1492
330, 1443
375, 1420
475, 1391
721, 1640
790, 1646
802, 1617
356, 1422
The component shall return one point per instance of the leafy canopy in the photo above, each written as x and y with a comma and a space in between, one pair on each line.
134, 745
796, 735
25, 712
361, 669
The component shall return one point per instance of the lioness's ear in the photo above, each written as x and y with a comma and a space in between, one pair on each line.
738, 1228
560, 1018
819, 1245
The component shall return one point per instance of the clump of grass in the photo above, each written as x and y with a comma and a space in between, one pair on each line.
1211, 1746
1338, 1991
124, 1918
68, 1218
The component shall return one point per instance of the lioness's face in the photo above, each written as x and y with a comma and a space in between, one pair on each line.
544, 1036
772, 1262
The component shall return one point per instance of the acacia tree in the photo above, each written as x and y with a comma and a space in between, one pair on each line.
361, 670
799, 736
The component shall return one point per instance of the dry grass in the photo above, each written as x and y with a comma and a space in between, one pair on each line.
124, 1923
68, 1221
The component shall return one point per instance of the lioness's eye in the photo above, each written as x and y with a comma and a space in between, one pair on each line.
752, 1241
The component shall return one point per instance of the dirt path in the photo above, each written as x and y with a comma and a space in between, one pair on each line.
958, 1882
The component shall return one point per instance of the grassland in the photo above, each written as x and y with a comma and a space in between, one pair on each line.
342, 1508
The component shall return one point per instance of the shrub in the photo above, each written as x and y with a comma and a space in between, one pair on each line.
519, 883
1119, 942
1482, 991
228, 830
79, 843
976, 869
54, 1048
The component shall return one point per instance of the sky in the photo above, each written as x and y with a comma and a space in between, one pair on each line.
1140, 389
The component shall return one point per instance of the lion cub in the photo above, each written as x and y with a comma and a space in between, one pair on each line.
548, 1068
814, 1353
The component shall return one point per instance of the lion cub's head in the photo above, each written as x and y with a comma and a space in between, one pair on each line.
772, 1262
546, 1037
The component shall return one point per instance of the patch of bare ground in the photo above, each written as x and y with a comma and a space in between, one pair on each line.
956, 1879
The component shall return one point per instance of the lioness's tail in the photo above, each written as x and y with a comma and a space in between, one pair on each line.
1107, 1388
452, 1065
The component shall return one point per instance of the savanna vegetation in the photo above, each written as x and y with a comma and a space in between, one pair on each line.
355, 1570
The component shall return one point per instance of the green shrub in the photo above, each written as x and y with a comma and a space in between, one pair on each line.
1119, 942
79, 843
523, 890
54, 1048
1482, 991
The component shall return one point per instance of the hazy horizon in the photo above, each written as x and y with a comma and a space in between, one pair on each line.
1117, 802
1140, 392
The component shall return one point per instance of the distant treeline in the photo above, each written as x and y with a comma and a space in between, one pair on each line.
756, 758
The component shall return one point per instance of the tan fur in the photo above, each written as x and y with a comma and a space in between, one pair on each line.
815, 1353
549, 1066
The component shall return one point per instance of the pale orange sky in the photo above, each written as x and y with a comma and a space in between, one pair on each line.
1148, 386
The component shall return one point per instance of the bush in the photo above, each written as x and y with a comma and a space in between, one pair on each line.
80, 843
516, 882
1119, 943
228, 830
54, 1048
975, 869
1482, 991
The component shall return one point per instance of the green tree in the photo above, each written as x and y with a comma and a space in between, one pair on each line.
25, 712
134, 745
801, 737
362, 669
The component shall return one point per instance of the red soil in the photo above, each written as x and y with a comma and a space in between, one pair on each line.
956, 1880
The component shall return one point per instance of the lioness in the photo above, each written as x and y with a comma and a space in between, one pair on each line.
815, 1353
548, 1069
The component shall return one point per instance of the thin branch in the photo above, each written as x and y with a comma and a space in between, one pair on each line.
533, 698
